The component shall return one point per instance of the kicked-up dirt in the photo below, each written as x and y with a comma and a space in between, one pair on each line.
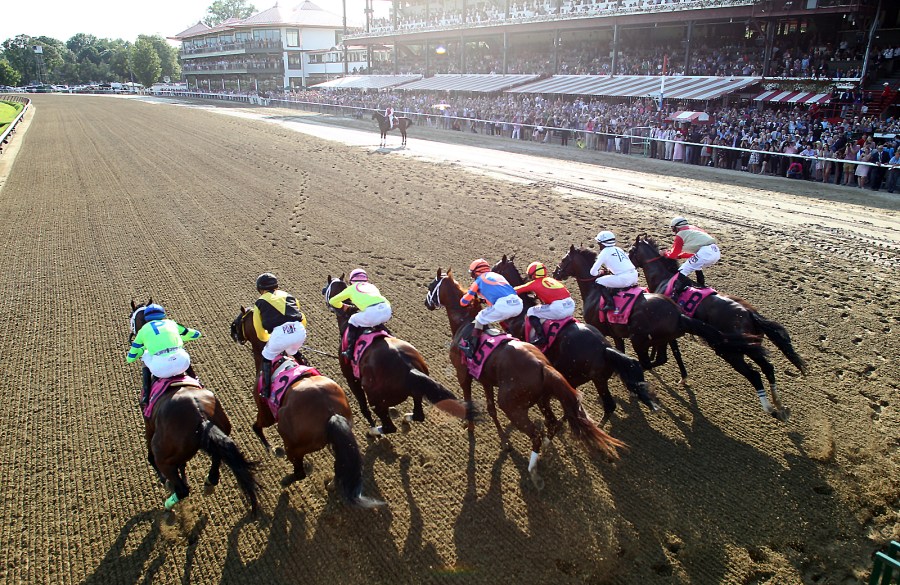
113, 199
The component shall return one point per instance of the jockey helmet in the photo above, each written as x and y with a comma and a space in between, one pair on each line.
606, 238
478, 266
154, 312
678, 222
358, 275
536, 270
266, 281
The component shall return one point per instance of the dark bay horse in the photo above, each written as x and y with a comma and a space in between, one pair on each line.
185, 420
732, 316
581, 353
523, 377
384, 126
655, 322
314, 414
391, 370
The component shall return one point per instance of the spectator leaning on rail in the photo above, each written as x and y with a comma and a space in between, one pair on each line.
279, 322
160, 345
697, 246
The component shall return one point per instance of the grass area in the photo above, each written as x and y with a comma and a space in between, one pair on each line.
8, 112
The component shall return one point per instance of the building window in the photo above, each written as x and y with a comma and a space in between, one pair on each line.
293, 37
295, 60
266, 34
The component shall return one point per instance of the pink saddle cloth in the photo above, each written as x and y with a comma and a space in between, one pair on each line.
487, 344
162, 385
624, 301
285, 374
551, 327
363, 342
690, 298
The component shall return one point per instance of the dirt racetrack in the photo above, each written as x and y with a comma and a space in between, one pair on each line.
113, 199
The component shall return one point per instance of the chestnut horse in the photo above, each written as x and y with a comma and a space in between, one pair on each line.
655, 321
314, 414
391, 370
581, 353
733, 317
185, 420
384, 126
523, 377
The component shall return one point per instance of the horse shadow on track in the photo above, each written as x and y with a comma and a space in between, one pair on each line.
387, 149
143, 560
700, 507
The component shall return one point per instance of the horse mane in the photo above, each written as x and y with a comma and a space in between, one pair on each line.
587, 253
670, 264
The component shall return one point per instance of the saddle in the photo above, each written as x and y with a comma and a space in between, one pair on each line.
551, 328
491, 338
366, 338
162, 385
623, 299
690, 298
286, 372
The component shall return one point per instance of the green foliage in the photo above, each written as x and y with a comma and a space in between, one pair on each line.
80, 60
221, 10
168, 56
8, 75
144, 62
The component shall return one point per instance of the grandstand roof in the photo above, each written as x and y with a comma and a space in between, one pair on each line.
793, 97
683, 88
306, 14
366, 82
483, 83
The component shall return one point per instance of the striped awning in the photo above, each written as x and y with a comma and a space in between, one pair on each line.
689, 117
680, 88
366, 82
482, 83
793, 97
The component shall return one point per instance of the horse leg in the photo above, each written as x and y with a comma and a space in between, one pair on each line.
176, 483
465, 382
620, 343
492, 411
641, 346
519, 418
736, 361
758, 355
264, 419
360, 394
298, 474
418, 414
676, 353
151, 459
387, 424
551, 422
601, 382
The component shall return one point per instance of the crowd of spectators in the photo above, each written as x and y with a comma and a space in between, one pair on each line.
782, 141
241, 62
204, 46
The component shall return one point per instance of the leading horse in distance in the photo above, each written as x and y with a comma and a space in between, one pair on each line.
384, 126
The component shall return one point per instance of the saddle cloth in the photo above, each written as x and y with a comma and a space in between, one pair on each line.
162, 385
363, 342
690, 298
624, 301
551, 327
286, 373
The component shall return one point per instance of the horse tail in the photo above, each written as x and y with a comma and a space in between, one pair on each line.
583, 427
707, 333
424, 385
347, 463
778, 335
628, 369
218, 444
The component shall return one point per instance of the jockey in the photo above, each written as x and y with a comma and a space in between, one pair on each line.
160, 345
621, 273
279, 322
556, 302
389, 116
695, 244
501, 298
374, 309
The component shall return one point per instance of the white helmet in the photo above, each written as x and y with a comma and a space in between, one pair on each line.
678, 222
607, 238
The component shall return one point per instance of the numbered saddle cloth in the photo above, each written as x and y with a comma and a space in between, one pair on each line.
285, 374
162, 385
363, 342
624, 301
551, 327
487, 343
690, 298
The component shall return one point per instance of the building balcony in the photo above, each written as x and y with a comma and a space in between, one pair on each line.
221, 49
231, 69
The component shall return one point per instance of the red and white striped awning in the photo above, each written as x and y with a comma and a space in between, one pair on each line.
793, 97
677, 87
689, 117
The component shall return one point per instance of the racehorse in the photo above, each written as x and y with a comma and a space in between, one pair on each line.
730, 315
655, 321
581, 353
390, 371
384, 126
314, 413
523, 377
184, 420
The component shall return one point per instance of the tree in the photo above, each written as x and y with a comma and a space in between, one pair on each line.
168, 56
221, 10
8, 75
144, 62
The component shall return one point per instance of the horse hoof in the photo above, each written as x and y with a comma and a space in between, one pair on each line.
278, 452
538, 481
784, 414
408, 417
405, 427
393, 412
208, 489
288, 479
374, 432
505, 446
545, 443
684, 382
169, 486
329, 485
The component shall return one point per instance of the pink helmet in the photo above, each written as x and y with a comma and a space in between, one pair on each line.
358, 275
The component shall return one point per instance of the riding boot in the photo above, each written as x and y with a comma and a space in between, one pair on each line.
610, 302
472, 341
352, 335
301, 359
701, 278
537, 330
146, 379
266, 370
681, 283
